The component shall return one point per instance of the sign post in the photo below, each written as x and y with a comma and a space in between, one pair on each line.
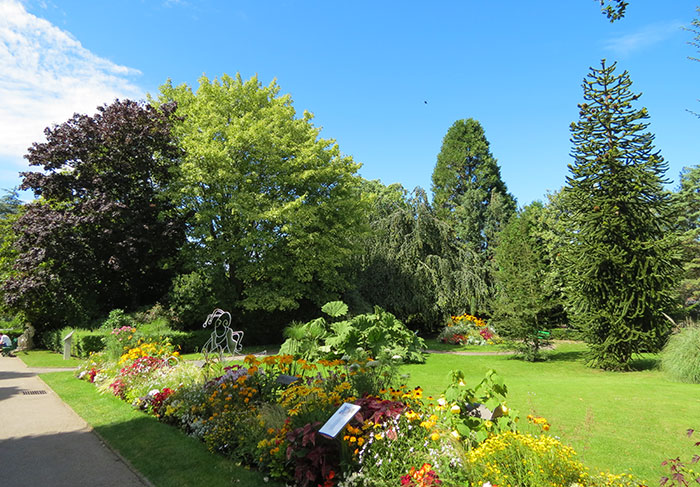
339, 419
67, 341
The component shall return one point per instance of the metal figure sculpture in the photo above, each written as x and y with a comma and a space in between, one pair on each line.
223, 340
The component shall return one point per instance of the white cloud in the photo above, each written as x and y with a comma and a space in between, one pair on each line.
47, 76
645, 37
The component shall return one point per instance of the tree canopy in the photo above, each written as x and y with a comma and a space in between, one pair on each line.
103, 233
413, 266
468, 191
275, 208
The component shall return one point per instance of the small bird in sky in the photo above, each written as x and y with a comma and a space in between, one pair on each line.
425, 101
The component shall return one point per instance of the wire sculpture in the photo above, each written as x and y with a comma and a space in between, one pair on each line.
222, 340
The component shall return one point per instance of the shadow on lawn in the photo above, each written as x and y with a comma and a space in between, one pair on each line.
566, 356
645, 363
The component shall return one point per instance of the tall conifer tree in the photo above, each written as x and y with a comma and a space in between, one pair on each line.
468, 191
621, 258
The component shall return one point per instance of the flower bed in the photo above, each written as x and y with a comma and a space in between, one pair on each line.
468, 330
467, 436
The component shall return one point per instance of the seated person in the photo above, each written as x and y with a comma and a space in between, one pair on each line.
5, 343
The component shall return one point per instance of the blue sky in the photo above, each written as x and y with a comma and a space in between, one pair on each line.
365, 69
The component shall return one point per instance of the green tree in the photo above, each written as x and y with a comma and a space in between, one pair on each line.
10, 208
525, 301
468, 191
687, 210
622, 261
413, 266
103, 233
274, 207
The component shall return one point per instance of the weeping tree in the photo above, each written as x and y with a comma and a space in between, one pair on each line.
414, 267
621, 258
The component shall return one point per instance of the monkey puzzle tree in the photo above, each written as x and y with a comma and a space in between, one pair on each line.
621, 257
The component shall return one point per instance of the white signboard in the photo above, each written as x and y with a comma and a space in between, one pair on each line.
339, 419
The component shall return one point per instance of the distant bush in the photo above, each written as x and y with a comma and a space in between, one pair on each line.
192, 298
84, 342
680, 358
565, 334
87, 341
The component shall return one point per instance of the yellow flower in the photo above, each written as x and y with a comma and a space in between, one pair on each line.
455, 409
412, 415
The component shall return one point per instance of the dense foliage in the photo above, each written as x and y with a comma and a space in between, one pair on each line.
525, 300
413, 266
621, 257
468, 191
686, 204
102, 233
376, 335
275, 208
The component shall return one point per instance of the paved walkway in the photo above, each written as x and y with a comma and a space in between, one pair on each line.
44, 443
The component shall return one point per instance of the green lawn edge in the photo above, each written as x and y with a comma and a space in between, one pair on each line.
161, 453
46, 358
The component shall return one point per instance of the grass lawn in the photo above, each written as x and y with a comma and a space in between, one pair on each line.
162, 453
435, 344
45, 358
621, 422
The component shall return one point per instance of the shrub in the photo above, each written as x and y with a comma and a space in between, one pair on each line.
192, 298
379, 335
532, 461
86, 342
680, 357
565, 334
117, 319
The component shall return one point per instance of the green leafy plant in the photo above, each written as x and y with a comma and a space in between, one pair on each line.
379, 335
473, 414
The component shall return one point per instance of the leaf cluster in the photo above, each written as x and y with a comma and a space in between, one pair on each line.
378, 335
